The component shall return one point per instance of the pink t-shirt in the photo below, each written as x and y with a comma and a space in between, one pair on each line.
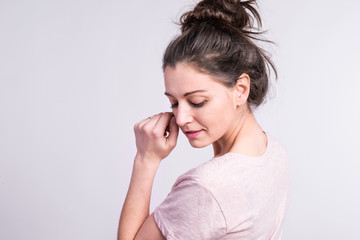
229, 197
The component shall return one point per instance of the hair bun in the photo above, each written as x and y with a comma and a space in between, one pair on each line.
236, 13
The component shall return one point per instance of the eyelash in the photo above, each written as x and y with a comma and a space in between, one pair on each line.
194, 104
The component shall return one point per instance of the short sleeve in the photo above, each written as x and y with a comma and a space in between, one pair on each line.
190, 211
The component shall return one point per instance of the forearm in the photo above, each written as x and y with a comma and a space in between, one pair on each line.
137, 202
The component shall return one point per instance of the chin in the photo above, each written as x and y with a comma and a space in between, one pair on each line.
195, 144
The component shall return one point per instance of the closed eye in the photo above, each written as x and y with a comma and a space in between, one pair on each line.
199, 104
193, 104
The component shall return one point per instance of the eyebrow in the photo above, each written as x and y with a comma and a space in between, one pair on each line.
186, 94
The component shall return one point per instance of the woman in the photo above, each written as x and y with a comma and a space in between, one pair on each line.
213, 73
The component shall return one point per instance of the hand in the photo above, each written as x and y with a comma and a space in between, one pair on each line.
156, 136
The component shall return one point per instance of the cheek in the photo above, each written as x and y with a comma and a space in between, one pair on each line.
218, 118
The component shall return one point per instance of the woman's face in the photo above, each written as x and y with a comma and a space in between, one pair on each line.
204, 108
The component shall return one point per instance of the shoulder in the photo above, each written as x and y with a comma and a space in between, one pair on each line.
206, 174
190, 211
233, 166
279, 156
276, 146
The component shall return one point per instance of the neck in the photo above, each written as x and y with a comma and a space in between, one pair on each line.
235, 139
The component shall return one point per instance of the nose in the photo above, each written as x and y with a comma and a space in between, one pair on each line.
183, 115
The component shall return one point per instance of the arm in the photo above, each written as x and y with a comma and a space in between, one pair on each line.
152, 146
136, 206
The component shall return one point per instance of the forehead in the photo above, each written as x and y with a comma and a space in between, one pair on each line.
184, 78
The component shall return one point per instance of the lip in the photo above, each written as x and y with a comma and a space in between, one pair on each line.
192, 134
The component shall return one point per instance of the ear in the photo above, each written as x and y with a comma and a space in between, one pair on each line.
242, 89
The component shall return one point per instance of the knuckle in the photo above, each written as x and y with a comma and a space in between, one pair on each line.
154, 133
145, 129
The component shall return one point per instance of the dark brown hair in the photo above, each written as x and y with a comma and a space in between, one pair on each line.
217, 38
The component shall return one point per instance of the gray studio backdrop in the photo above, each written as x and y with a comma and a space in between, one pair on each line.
75, 76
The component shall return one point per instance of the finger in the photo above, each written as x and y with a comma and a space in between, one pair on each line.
173, 133
144, 120
163, 122
157, 118
142, 123
150, 120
